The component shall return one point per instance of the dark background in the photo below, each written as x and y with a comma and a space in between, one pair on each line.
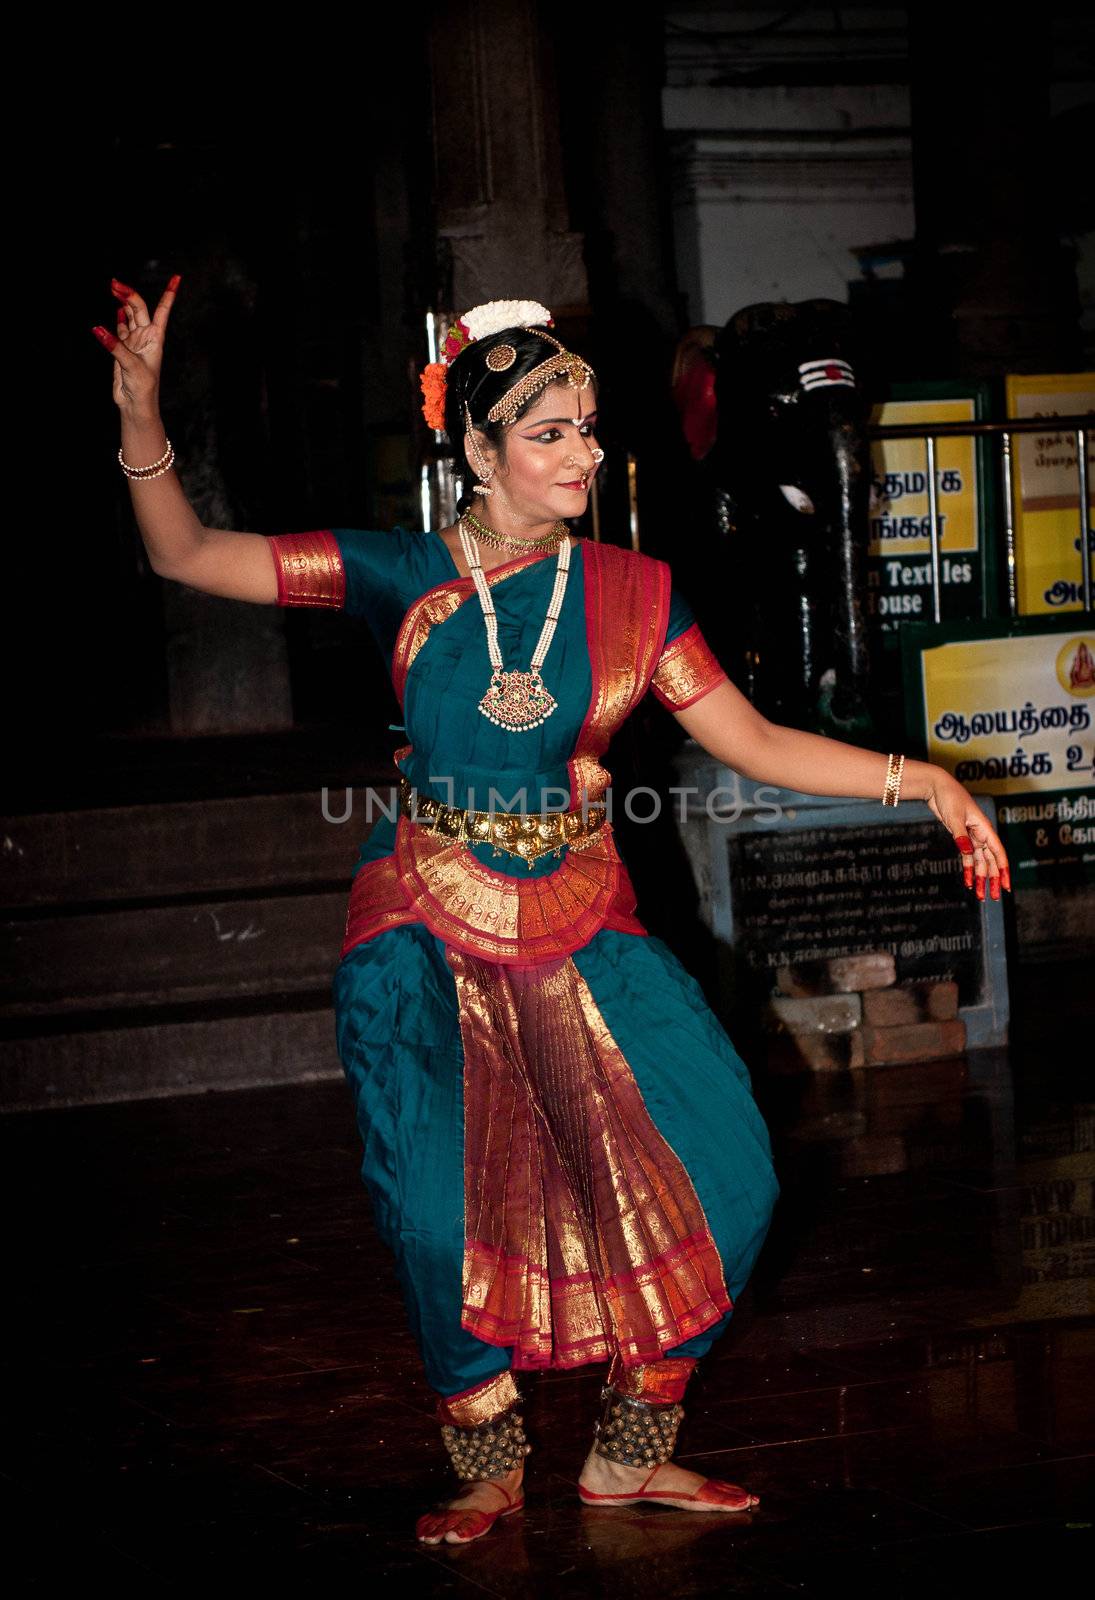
312, 185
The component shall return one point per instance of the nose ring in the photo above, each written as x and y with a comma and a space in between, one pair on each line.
598, 455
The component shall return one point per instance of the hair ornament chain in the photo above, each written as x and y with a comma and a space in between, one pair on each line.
483, 322
565, 367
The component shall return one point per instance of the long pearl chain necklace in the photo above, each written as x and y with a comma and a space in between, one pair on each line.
516, 700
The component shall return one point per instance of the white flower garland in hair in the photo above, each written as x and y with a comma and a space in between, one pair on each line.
482, 321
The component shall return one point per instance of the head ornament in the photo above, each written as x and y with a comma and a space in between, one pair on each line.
482, 322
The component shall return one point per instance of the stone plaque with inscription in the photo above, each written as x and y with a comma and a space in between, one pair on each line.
790, 878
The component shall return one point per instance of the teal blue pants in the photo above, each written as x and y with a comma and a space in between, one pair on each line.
398, 1036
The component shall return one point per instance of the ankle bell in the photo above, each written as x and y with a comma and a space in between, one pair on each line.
491, 1449
636, 1432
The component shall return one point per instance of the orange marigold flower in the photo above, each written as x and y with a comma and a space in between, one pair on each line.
433, 387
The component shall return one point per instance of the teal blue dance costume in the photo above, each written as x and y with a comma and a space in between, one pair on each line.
561, 1143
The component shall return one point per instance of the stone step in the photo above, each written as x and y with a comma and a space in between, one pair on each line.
144, 853
193, 950
174, 947
119, 1058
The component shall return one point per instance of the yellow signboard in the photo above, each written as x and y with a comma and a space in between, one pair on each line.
1046, 490
899, 514
1012, 715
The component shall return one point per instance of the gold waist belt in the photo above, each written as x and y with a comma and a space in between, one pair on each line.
528, 834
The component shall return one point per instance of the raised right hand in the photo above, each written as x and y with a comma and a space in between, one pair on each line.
137, 347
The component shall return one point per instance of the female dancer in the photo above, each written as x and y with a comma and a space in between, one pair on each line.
560, 1141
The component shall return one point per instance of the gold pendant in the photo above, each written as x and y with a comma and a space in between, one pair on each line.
517, 700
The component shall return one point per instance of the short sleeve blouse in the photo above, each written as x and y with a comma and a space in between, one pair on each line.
377, 575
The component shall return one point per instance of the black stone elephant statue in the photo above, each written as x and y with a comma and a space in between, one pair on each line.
773, 406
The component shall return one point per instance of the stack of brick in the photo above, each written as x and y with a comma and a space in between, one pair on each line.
850, 1011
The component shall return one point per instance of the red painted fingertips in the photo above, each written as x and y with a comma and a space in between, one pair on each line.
104, 336
967, 873
1005, 878
965, 844
174, 281
994, 888
122, 290
980, 888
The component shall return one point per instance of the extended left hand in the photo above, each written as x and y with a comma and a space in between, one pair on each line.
983, 856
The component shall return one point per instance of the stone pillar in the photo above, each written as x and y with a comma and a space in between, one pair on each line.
502, 222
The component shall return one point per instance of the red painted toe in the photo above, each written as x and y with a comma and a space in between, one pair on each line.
716, 1493
467, 1525
472, 1524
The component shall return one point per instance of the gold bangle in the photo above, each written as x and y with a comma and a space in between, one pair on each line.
154, 469
892, 791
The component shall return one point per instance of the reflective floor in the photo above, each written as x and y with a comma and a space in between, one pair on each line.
212, 1380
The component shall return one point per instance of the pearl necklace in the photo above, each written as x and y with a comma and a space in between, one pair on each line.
516, 700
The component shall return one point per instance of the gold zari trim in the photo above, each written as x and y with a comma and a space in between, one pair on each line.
687, 670
583, 1233
480, 1403
529, 834
309, 568
661, 1382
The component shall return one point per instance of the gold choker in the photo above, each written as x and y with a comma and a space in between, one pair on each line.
499, 541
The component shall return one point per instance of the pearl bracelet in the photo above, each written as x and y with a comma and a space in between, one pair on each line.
891, 793
154, 470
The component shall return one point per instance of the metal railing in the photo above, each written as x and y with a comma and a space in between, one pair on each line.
932, 431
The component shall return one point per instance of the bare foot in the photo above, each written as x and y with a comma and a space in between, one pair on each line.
473, 1511
668, 1484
